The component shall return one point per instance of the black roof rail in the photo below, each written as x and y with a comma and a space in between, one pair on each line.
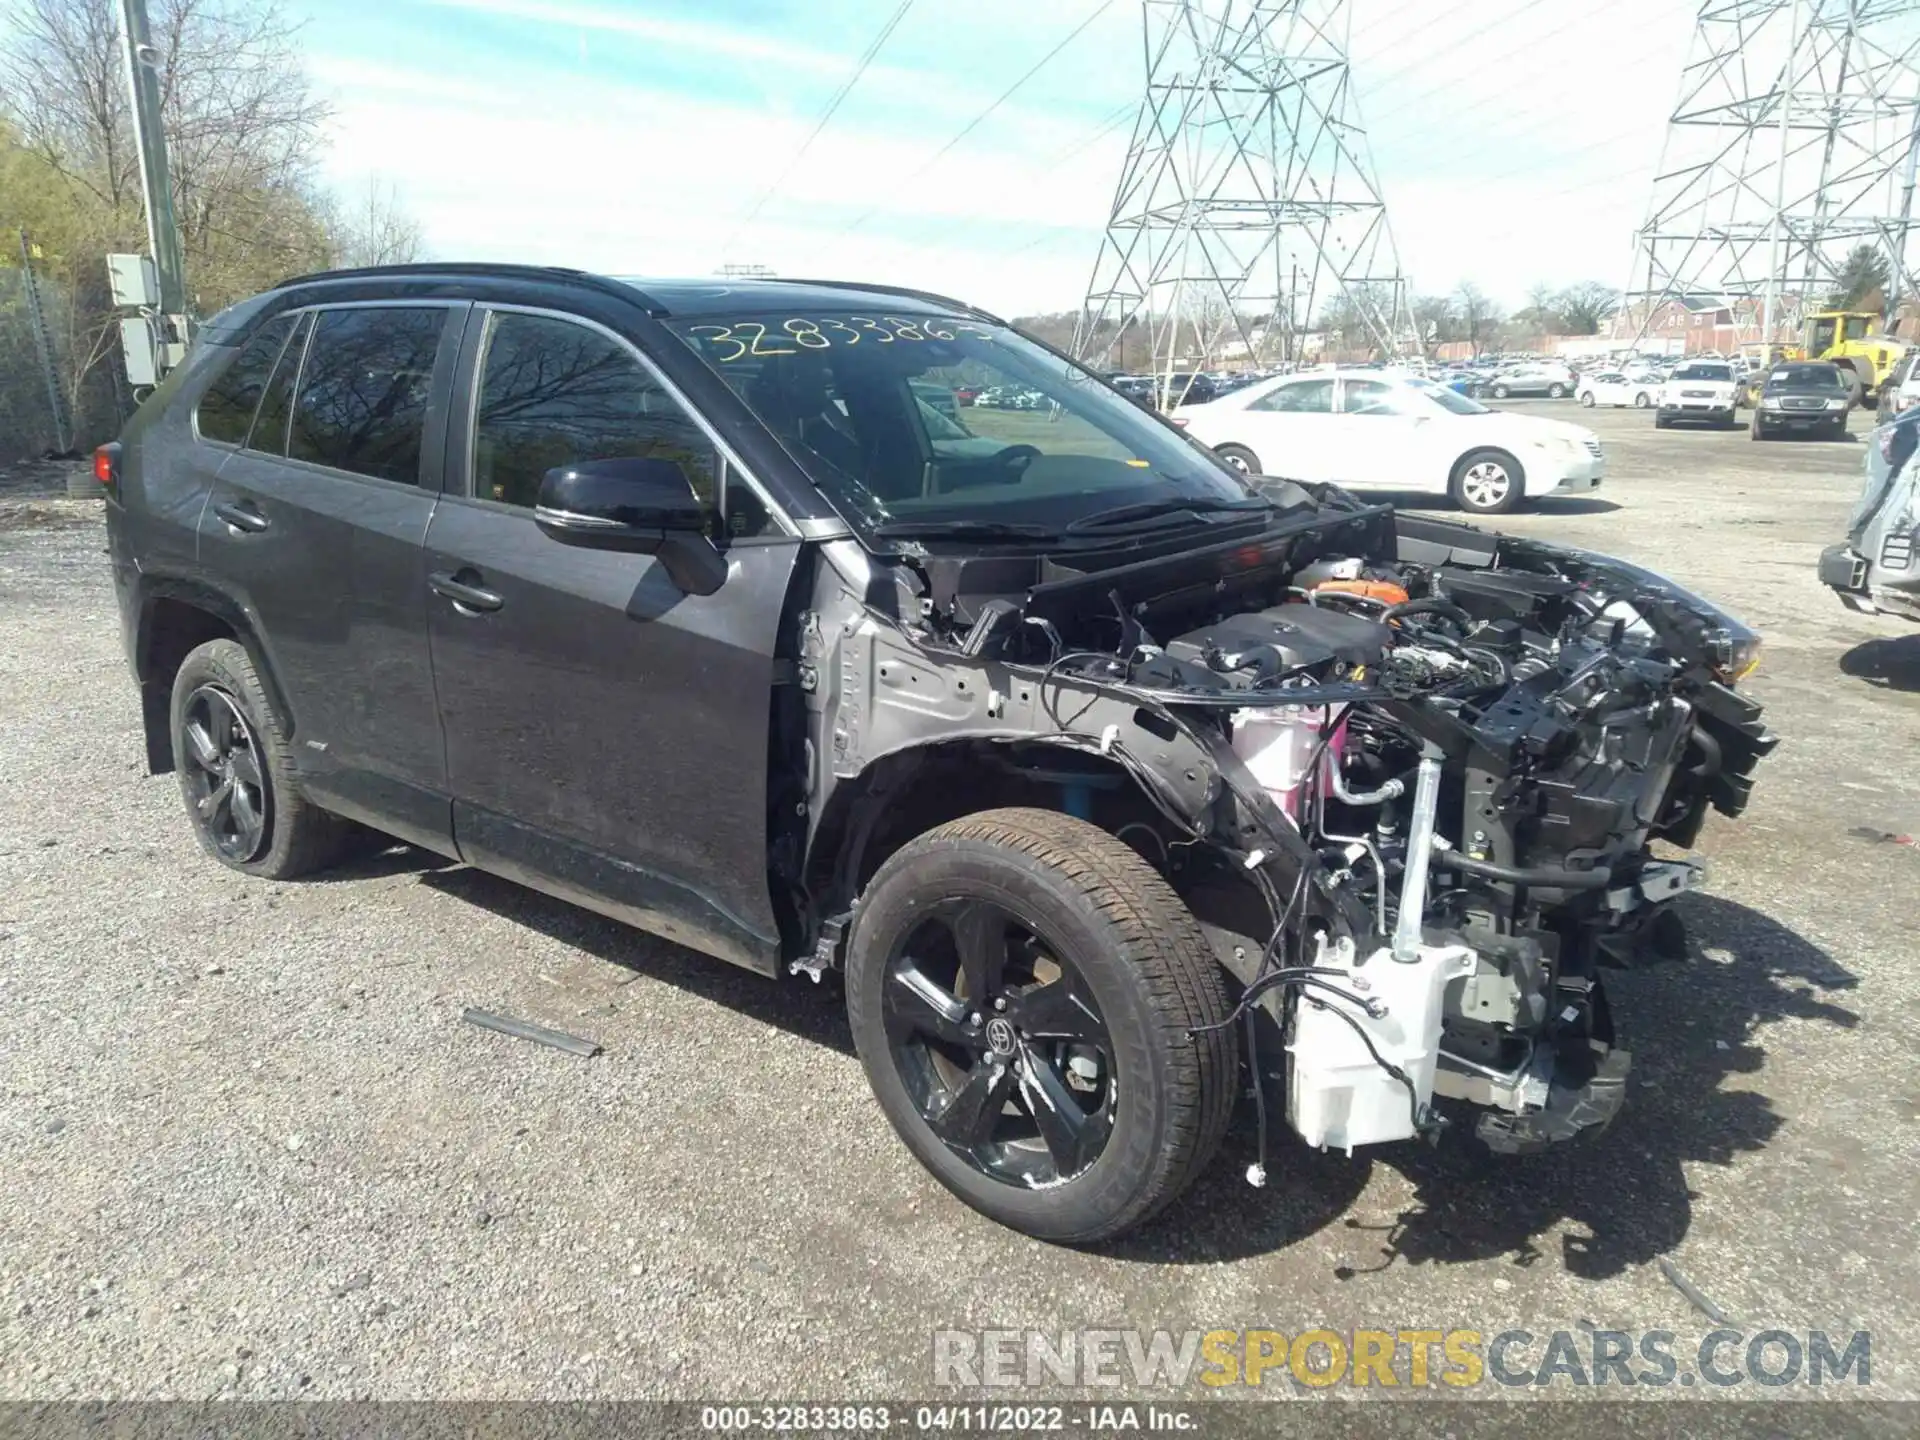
900, 290
502, 269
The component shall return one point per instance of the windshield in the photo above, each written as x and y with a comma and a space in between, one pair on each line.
932, 419
1448, 399
1702, 372
1805, 377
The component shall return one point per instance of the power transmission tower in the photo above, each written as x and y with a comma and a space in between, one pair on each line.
1248, 164
1793, 141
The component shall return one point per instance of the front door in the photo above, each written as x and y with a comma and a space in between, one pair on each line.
607, 733
318, 518
1292, 429
1380, 438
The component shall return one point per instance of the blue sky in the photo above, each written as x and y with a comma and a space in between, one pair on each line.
1514, 139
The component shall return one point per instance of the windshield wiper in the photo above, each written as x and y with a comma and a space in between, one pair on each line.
910, 529
1147, 509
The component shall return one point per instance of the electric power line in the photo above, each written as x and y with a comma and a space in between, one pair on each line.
975, 123
826, 116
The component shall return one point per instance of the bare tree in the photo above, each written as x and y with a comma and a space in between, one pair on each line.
373, 228
1585, 307
1433, 316
244, 132
1479, 317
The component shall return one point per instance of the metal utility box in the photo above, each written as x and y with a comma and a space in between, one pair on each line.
134, 282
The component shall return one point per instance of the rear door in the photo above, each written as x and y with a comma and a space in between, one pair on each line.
318, 522
607, 733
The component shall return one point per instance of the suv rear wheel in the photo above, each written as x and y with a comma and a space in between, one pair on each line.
231, 755
1022, 987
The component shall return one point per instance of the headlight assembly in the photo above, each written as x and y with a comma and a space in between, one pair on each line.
1735, 652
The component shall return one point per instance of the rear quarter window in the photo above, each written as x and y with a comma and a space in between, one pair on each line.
227, 405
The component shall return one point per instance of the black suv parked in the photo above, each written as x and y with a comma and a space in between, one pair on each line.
1096, 766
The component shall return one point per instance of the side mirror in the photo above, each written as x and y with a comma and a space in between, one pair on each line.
642, 506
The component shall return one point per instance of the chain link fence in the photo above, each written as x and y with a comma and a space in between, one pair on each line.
89, 413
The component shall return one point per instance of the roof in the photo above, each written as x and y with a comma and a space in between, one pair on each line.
684, 297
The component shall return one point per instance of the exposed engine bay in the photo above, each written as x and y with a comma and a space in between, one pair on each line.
1407, 774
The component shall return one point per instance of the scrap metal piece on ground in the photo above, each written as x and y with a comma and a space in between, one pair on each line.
525, 1030
1687, 1288
1867, 832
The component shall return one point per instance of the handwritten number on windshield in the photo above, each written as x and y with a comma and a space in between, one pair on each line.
751, 337
721, 335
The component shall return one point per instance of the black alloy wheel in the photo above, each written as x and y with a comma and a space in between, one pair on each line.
1040, 1018
226, 785
1000, 1044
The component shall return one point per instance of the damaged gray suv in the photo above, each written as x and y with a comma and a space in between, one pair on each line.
1113, 781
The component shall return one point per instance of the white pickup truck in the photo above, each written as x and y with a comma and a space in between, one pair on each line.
1699, 390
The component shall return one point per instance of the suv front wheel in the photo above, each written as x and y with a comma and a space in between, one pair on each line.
1024, 992
231, 755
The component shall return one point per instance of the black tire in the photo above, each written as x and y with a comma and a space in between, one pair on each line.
1586, 398
1659, 422
1473, 488
1124, 940
217, 683
1642, 400
1554, 392
1240, 458
1499, 392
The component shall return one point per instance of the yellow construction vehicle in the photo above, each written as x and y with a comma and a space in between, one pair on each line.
1850, 339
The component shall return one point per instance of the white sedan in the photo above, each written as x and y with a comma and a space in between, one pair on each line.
1611, 387
1365, 430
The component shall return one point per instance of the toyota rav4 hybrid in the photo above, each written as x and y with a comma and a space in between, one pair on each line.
1109, 778
1699, 390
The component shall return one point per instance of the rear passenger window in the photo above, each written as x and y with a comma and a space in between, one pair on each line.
226, 409
363, 394
553, 392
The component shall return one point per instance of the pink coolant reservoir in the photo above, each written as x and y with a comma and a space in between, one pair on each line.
1277, 743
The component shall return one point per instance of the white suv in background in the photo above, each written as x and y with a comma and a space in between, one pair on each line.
1366, 430
1699, 390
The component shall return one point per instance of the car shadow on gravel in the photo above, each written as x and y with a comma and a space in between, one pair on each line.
1886, 664
1624, 1194
791, 1003
1690, 1027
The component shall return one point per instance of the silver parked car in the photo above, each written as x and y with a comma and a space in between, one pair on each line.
1874, 568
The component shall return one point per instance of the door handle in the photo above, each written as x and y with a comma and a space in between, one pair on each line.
468, 597
241, 515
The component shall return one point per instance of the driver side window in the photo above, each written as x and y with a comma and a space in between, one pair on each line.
1309, 397
553, 393
1371, 397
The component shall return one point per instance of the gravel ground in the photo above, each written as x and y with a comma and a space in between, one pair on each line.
247, 1149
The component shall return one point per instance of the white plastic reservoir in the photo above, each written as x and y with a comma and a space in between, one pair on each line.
1337, 1094
1278, 744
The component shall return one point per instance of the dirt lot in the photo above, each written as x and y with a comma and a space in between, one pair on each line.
248, 1149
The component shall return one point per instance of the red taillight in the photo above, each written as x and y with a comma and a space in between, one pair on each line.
1178, 421
106, 464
